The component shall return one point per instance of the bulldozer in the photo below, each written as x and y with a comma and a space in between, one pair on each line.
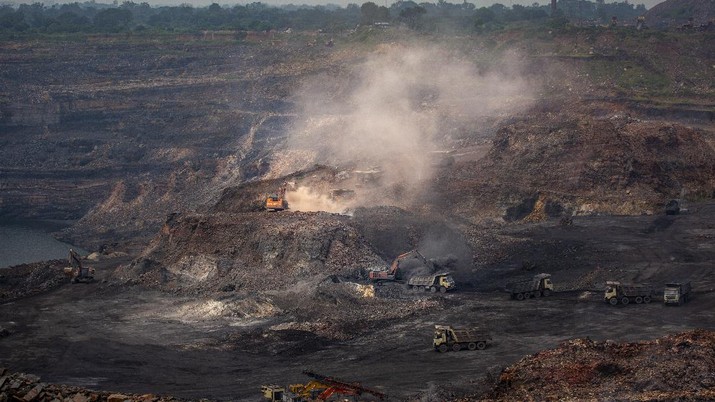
76, 271
277, 201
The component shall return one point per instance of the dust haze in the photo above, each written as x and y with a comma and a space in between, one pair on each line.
386, 123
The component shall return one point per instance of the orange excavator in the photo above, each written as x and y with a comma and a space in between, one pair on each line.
320, 389
277, 202
395, 273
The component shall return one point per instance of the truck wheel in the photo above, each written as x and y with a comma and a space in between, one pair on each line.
646, 299
639, 300
432, 289
625, 300
613, 301
456, 347
442, 348
481, 345
546, 292
472, 346
519, 296
442, 289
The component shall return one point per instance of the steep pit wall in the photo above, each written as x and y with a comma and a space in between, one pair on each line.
554, 165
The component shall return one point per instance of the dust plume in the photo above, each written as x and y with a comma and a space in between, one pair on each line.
306, 200
385, 118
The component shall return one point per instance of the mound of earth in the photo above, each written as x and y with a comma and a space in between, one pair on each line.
251, 251
584, 165
671, 368
677, 12
30, 279
251, 196
27, 387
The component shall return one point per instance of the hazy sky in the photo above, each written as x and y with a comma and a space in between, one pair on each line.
201, 3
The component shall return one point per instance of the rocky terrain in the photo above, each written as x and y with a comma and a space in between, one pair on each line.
27, 387
675, 367
165, 149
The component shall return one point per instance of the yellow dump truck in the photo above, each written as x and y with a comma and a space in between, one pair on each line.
432, 283
448, 338
616, 292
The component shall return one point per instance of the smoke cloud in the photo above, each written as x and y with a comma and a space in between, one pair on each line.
306, 200
381, 122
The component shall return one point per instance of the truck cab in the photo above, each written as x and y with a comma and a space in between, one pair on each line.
611, 291
446, 281
442, 334
676, 292
273, 393
546, 283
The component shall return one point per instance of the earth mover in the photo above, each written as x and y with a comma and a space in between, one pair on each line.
76, 271
617, 292
432, 283
539, 285
448, 338
677, 293
320, 388
396, 272
277, 201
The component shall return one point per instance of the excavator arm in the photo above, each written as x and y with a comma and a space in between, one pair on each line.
393, 272
342, 387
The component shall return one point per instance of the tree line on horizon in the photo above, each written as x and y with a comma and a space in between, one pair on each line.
92, 17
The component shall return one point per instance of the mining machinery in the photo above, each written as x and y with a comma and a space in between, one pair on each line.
320, 388
277, 201
76, 271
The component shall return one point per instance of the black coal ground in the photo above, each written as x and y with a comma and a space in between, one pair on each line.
130, 339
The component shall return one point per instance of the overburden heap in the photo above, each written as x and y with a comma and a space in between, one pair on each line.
675, 367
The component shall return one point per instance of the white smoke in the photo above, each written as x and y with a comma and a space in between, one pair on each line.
306, 200
390, 112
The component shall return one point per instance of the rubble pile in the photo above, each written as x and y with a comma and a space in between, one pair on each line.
30, 279
675, 367
250, 251
27, 388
